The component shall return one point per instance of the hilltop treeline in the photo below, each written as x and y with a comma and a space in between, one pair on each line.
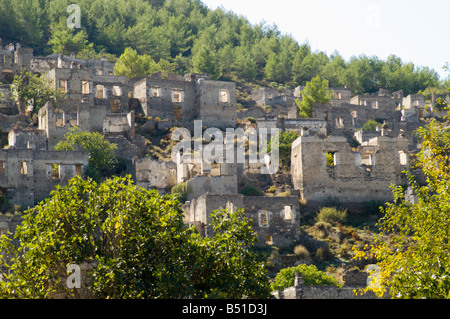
195, 38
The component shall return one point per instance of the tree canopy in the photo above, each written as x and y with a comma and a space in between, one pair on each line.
193, 37
137, 244
315, 91
411, 250
102, 156
29, 89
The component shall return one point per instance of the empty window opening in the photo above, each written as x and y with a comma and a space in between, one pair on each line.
110, 72
115, 106
368, 159
375, 104
78, 169
177, 96
325, 115
63, 86
263, 218
223, 96
117, 90
215, 169
416, 102
230, 208
101, 92
55, 172
2, 167
288, 215
178, 113
156, 91
100, 72
354, 114
338, 95
403, 158
85, 89
60, 119
269, 240
270, 96
23, 168
331, 159
339, 122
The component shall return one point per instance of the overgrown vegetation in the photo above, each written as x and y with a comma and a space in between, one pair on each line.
310, 274
181, 191
370, 126
250, 191
103, 161
138, 245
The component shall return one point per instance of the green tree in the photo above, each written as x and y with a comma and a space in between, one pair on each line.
33, 90
205, 61
411, 250
132, 64
370, 126
245, 66
102, 154
137, 244
310, 274
315, 91
283, 141
66, 41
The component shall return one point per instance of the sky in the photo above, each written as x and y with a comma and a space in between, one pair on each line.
417, 31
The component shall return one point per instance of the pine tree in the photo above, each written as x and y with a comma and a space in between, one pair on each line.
204, 61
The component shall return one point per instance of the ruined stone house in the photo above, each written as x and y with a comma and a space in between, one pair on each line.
324, 168
185, 99
13, 58
29, 172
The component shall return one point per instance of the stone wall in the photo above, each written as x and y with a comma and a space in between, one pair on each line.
166, 98
276, 220
154, 174
217, 103
354, 176
322, 292
28, 176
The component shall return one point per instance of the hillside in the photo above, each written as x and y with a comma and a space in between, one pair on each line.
195, 38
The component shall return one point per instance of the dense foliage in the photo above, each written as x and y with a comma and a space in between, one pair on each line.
195, 38
137, 242
412, 248
284, 142
33, 91
315, 91
310, 274
102, 154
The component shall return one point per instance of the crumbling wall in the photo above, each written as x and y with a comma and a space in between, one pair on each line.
155, 174
354, 176
276, 220
29, 138
166, 98
217, 106
212, 184
27, 176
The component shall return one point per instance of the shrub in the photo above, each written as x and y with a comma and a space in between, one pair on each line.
251, 120
301, 251
181, 191
311, 277
370, 126
250, 191
331, 215
272, 189
354, 143
324, 254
